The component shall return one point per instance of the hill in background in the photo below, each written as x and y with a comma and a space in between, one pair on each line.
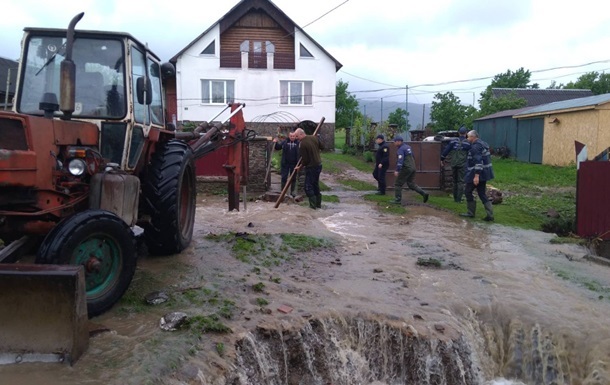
373, 109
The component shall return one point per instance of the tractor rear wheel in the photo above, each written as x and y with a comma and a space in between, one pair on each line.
170, 191
104, 245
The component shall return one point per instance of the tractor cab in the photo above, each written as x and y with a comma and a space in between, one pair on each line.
111, 80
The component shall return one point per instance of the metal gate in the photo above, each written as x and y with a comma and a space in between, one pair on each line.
427, 163
530, 133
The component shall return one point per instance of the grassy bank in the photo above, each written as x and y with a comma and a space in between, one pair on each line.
530, 191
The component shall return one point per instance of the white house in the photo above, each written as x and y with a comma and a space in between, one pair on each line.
255, 54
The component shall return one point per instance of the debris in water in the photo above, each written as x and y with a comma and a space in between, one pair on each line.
172, 321
156, 298
284, 309
377, 270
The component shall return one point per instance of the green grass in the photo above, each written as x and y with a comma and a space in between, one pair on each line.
334, 163
300, 242
339, 138
529, 191
384, 205
358, 185
588, 283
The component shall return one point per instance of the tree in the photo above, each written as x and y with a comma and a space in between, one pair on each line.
509, 79
448, 113
346, 106
594, 81
399, 117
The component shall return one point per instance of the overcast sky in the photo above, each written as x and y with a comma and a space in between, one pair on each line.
382, 44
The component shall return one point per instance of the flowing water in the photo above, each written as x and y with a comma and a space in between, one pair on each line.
505, 307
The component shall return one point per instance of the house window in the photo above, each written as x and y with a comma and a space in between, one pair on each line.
215, 91
304, 52
210, 49
296, 92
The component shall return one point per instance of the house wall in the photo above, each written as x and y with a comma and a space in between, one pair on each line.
582, 126
258, 88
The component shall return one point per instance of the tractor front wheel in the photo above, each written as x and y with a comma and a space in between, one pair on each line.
104, 245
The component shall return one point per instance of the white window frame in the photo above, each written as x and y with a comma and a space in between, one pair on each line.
207, 91
296, 92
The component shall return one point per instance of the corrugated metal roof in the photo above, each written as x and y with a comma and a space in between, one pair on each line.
536, 96
503, 114
580, 103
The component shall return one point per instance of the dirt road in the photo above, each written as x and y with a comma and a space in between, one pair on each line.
521, 306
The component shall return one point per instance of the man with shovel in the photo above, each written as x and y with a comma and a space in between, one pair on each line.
309, 150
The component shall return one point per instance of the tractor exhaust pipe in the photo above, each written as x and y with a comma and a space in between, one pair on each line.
68, 72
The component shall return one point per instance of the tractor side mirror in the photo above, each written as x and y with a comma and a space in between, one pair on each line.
143, 86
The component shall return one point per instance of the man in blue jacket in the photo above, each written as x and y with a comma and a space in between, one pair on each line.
405, 171
458, 148
479, 170
290, 158
382, 162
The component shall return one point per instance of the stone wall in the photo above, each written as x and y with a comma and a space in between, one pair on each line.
258, 159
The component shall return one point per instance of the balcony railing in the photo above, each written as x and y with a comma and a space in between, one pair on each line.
230, 60
281, 61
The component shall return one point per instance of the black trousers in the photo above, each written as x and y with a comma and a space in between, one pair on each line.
379, 175
285, 173
312, 180
470, 187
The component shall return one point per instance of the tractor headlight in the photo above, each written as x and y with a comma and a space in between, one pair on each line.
77, 167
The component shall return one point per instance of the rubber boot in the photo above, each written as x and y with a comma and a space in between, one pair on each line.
397, 196
472, 208
490, 212
319, 201
312, 202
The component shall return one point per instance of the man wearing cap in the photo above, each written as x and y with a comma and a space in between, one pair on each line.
405, 171
478, 172
290, 158
458, 148
382, 162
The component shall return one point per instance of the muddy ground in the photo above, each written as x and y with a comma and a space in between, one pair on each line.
439, 274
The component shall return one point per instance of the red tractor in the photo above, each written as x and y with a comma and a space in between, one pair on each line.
86, 155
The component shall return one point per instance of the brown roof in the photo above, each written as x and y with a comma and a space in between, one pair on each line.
243, 7
536, 97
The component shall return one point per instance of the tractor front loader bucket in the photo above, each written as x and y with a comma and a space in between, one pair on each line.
43, 313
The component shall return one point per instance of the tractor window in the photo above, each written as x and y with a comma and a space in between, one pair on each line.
99, 82
137, 144
156, 107
113, 141
138, 66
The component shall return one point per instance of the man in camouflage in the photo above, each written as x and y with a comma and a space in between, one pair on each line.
458, 149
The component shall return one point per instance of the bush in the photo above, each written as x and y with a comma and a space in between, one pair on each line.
368, 156
560, 226
348, 150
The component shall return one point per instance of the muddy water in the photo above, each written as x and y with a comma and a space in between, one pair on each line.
498, 301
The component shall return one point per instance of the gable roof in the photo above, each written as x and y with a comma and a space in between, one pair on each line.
536, 97
590, 102
242, 8
5, 64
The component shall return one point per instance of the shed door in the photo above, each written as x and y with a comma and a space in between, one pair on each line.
529, 140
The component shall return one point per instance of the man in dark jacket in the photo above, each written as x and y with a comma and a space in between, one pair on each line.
309, 150
382, 162
405, 171
458, 148
290, 157
478, 172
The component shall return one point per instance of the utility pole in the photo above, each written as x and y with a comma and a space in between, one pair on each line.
407, 108
423, 127
8, 85
381, 117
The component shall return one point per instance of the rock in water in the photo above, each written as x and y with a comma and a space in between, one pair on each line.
172, 321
